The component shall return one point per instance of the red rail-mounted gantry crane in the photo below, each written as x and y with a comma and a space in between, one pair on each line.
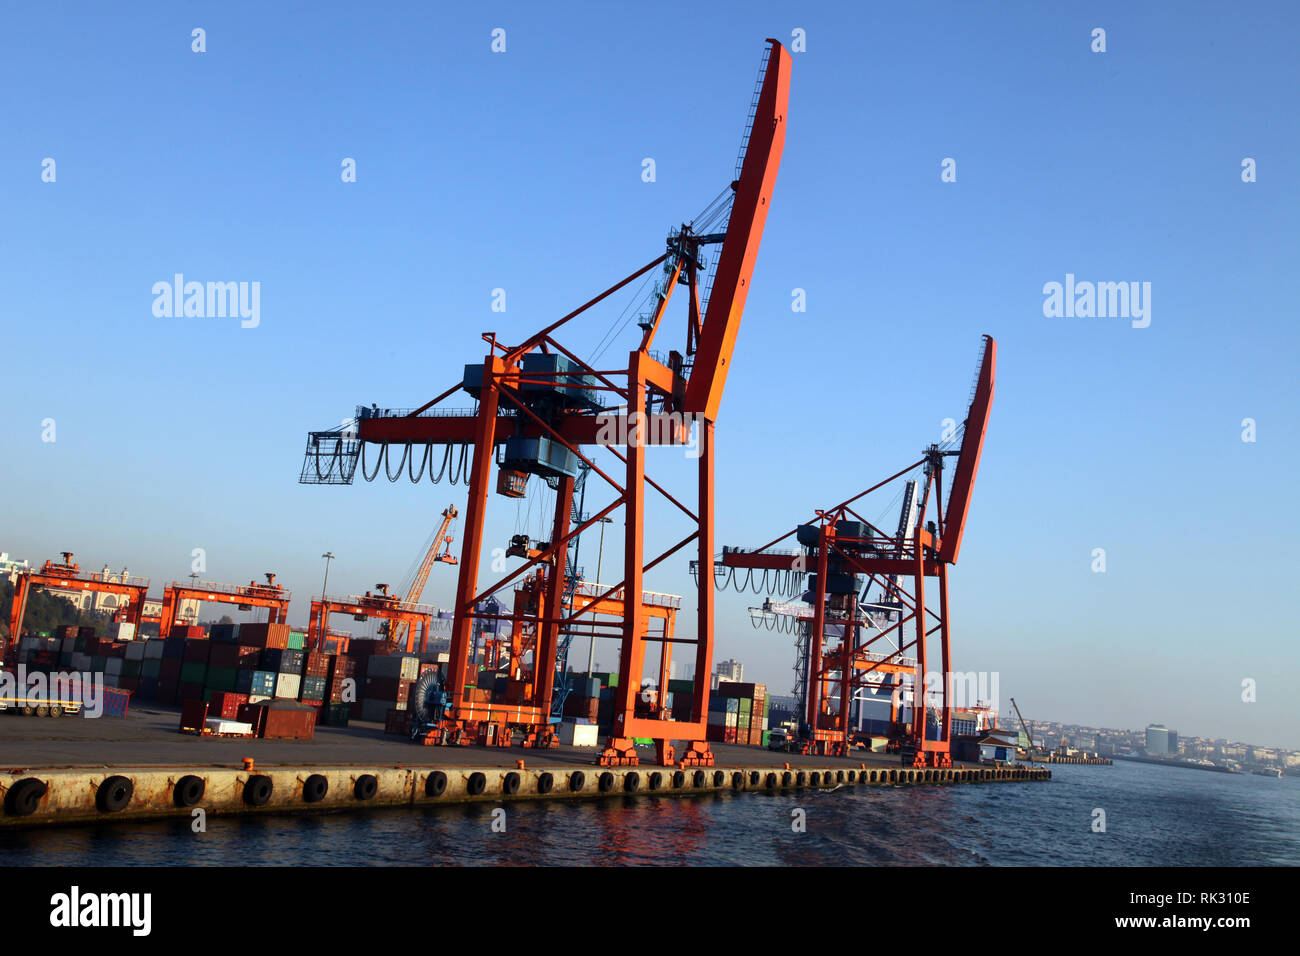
274, 597
839, 548
539, 406
68, 576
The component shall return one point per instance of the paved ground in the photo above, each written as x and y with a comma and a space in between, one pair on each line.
149, 737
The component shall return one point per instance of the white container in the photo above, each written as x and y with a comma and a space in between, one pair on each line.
121, 631
287, 686
220, 725
578, 735
257, 698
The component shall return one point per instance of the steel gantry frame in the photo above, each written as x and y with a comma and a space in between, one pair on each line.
274, 597
68, 576
685, 392
408, 622
845, 543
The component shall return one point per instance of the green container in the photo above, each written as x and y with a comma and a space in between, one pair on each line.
221, 678
193, 672
746, 706
150, 667
335, 715
767, 738
130, 668
297, 640
742, 722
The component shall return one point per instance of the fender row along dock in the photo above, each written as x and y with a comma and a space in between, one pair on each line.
75, 774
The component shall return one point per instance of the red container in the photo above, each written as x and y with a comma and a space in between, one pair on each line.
285, 723
226, 704
248, 658
166, 691
264, 635
194, 714
193, 631
85, 633
316, 665
189, 692
398, 722
170, 670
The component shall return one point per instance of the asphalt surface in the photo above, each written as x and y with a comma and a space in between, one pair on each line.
148, 737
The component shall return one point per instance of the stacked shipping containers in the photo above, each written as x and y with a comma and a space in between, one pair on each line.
738, 714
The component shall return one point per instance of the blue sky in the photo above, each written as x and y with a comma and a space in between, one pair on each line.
522, 170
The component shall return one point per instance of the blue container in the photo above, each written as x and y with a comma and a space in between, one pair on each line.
224, 633
262, 683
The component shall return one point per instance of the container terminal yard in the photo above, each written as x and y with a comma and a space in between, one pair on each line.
261, 717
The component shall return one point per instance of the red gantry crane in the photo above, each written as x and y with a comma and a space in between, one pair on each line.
412, 618
839, 547
270, 595
69, 577
539, 406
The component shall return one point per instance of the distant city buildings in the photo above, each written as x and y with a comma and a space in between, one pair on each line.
10, 568
1161, 741
730, 670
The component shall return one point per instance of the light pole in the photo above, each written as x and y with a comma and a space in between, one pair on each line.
600, 555
324, 588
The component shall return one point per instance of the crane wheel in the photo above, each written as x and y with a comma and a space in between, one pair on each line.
257, 790
314, 788
188, 790
435, 784
25, 796
366, 787
114, 794
476, 785
577, 780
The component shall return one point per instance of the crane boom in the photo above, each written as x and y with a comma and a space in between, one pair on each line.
431, 556
744, 233
968, 462
1025, 727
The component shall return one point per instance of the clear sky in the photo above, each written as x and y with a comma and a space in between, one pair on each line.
522, 170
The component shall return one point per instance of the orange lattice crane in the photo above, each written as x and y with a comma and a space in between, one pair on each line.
439, 551
540, 409
840, 548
